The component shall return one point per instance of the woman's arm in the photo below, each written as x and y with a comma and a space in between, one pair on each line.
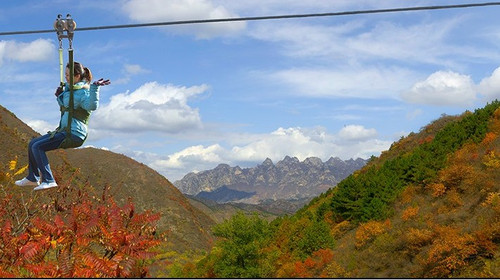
92, 102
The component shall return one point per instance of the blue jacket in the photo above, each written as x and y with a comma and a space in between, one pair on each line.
85, 97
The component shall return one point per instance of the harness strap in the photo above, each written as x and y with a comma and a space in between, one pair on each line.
61, 67
69, 26
78, 113
71, 106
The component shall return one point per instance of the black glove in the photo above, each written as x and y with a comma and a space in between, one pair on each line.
59, 90
102, 82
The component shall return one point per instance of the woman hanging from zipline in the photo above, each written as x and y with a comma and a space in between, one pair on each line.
85, 99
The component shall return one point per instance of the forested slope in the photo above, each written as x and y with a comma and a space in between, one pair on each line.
428, 207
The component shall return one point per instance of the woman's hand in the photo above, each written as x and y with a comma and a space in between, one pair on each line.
102, 82
59, 90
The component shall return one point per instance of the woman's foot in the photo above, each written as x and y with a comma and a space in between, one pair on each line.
45, 185
26, 183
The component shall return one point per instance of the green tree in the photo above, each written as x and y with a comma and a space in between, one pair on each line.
316, 236
369, 195
240, 246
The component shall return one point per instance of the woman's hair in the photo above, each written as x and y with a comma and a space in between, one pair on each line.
84, 72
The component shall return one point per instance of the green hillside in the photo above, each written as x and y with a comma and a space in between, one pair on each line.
428, 207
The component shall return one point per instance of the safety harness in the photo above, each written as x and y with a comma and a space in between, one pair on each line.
69, 25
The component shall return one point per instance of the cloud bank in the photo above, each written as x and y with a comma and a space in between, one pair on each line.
448, 88
151, 107
179, 10
443, 88
35, 51
352, 141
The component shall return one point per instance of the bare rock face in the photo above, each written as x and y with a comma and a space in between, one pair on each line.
288, 179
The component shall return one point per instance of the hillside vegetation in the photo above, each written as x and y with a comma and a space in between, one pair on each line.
125, 179
428, 207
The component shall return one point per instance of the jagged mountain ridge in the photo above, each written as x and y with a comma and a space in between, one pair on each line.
188, 227
288, 179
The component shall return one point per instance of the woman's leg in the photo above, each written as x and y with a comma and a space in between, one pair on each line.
33, 173
38, 149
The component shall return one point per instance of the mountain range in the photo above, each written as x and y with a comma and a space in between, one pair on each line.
289, 179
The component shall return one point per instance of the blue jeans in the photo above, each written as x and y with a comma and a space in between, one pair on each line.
38, 161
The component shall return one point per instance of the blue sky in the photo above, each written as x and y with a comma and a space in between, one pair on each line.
186, 98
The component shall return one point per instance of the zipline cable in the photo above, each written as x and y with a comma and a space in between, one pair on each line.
392, 10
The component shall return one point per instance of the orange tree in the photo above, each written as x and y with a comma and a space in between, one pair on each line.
71, 232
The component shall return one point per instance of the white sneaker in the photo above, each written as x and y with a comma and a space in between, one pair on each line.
44, 186
26, 183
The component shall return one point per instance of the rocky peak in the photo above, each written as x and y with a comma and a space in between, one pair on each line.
222, 167
290, 160
313, 162
288, 179
268, 162
335, 161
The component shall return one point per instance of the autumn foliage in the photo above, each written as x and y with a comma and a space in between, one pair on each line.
367, 231
427, 208
319, 264
71, 232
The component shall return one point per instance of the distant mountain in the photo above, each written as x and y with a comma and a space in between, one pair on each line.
288, 179
224, 194
188, 227
268, 210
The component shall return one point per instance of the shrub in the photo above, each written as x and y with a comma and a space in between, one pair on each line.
369, 230
71, 232
409, 213
450, 252
242, 238
319, 264
489, 138
491, 160
417, 238
436, 189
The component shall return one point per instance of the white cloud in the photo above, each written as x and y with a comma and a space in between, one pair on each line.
356, 132
421, 42
489, 87
293, 6
303, 40
130, 70
350, 142
40, 126
363, 40
151, 107
178, 10
134, 69
212, 154
281, 142
348, 82
443, 88
38, 50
